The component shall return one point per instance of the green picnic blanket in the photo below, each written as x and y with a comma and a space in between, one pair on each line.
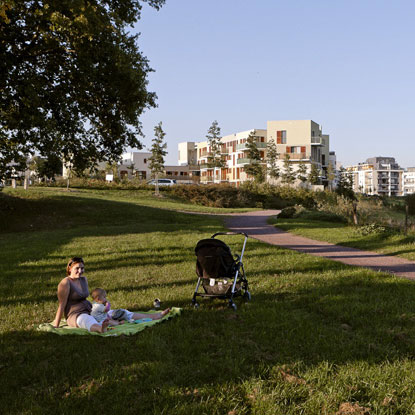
126, 329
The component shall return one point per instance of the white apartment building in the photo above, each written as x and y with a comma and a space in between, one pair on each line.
302, 140
136, 164
377, 176
408, 181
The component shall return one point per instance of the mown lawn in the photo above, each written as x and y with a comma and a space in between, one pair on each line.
342, 234
318, 337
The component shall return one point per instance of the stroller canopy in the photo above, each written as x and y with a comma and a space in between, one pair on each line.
214, 259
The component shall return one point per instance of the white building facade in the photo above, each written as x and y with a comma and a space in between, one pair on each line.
302, 140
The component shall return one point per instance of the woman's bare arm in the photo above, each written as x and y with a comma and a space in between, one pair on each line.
63, 294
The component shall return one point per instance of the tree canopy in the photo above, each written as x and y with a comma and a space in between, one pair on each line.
254, 168
73, 82
271, 159
214, 141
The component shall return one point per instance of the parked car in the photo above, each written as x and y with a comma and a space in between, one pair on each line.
162, 182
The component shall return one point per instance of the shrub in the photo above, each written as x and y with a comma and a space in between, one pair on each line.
321, 216
287, 213
373, 228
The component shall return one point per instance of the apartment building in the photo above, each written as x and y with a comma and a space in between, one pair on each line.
408, 181
302, 140
136, 164
377, 176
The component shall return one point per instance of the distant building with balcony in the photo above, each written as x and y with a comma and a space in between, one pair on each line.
377, 176
408, 181
302, 140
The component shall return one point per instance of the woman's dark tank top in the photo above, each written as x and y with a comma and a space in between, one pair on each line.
77, 300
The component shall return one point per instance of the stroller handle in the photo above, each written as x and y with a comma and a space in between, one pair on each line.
229, 233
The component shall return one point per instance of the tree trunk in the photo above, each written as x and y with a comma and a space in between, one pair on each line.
355, 221
157, 190
406, 219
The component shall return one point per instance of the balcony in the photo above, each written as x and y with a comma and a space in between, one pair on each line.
317, 141
205, 166
243, 161
244, 147
206, 179
295, 156
206, 155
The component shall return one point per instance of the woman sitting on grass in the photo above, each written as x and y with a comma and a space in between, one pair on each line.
72, 296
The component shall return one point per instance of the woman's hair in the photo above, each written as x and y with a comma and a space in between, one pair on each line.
98, 292
72, 262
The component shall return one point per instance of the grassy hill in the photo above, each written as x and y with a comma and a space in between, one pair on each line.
318, 337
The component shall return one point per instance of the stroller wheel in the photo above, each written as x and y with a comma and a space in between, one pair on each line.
196, 306
233, 305
247, 296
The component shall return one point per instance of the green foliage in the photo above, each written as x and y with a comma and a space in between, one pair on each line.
255, 167
302, 172
288, 175
345, 185
373, 228
331, 175
288, 212
319, 215
271, 159
74, 83
213, 138
47, 167
314, 175
158, 151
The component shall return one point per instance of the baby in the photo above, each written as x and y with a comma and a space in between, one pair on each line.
101, 310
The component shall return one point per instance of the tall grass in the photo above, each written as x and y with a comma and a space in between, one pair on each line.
317, 337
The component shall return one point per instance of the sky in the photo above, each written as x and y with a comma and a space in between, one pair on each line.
348, 65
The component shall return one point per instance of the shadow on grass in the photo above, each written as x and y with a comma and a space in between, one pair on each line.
335, 320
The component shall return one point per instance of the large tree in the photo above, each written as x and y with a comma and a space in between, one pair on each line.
73, 82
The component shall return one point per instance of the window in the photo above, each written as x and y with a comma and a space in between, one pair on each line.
145, 161
282, 137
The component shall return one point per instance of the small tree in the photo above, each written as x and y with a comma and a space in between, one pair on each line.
345, 185
158, 151
302, 172
314, 175
288, 175
131, 167
254, 168
331, 175
271, 159
213, 138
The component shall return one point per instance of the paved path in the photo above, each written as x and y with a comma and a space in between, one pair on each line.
255, 225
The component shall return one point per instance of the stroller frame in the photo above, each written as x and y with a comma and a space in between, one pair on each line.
239, 279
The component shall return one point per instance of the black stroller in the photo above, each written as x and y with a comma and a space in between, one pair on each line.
219, 273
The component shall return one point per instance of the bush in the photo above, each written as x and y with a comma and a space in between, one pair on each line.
287, 213
373, 228
321, 216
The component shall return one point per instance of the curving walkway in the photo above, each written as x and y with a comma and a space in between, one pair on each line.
255, 225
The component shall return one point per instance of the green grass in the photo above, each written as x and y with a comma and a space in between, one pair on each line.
342, 234
316, 334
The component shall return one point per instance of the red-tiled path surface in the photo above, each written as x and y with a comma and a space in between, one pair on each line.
255, 225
